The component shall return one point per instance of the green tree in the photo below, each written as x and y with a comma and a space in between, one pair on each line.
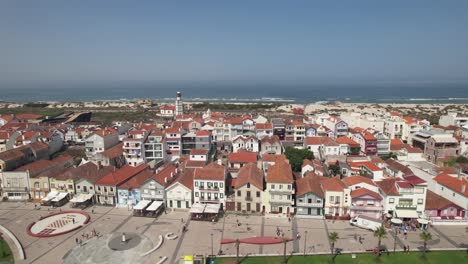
333, 237
334, 169
380, 233
297, 156
425, 236
461, 159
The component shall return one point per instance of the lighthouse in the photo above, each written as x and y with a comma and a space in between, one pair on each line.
179, 104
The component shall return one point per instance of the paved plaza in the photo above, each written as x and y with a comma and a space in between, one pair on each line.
204, 237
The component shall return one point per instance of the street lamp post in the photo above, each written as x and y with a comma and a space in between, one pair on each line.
212, 245
305, 243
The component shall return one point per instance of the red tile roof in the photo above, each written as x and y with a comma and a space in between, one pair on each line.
121, 175
388, 186
113, 152
320, 141
333, 184
397, 166
137, 181
310, 184
195, 163
404, 184
369, 165
363, 191
164, 176
242, 157
105, 132
414, 180
280, 172
437, 202
203, 133
212, 171
356, 179
347, 140
270, 139
266, 126
198, 152
273, 157
453, 183
168, 107
186, 179
307, 162
368, 136
250, 173
90, 172
37, 166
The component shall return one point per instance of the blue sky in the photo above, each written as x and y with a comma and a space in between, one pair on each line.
303, 41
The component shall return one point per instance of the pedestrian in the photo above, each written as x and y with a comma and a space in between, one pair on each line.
289, 219
92, 210
182, 220
298, 236
76, 240
73, 219
355, 237
407, 247
404, 248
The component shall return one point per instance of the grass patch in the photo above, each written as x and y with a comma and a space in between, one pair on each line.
234, 107
34, 110
413, 258
132, 116
5, 252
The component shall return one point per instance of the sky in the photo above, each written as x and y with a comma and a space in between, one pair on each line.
302, 41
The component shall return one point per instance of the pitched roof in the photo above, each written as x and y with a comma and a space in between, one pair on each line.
413, 179
264, 126
395, 165
437, 202
195, 163
333, 184
388, 186
242, 157
250, 173
212, 171
198, 152
90, 172
310, 184
203, 133
137, 181
186, 179
114, 151
363, 191
453, 183
347, 140
327, 141
280, 172
37, 166
306, 162
368, 136
273, 157
164, 176
121, 175
270, 139
27, 116
369, 165
356, 179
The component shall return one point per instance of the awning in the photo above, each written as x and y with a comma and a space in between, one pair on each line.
60, 197
423, 221
141, 205
406, 214
50, 196
81, 198
197, 208
212, 208
396, 221
154, 206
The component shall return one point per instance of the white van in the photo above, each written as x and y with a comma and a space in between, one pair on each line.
366, 222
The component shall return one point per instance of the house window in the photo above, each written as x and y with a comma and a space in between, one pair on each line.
238, 193
221, 195
221, 185
289, 186
309, 200
332, 199
196, 194
258, 194
453, 194
272, 186
248, 185
216, 185
281, 186
300, 200
391, 200
420, 201
196, 184
319, 200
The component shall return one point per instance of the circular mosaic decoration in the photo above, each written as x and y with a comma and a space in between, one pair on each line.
58, 224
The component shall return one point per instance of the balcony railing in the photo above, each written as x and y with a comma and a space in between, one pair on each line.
367, 207
309, 204
212, 189
209, 200
248, 198
15, 189
282, 191
152, 196
406, 206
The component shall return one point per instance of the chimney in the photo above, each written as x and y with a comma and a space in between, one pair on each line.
463, 188
165, 179
220, 162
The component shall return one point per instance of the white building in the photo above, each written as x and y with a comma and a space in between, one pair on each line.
209, 184
249, 143
453, 119
278, 197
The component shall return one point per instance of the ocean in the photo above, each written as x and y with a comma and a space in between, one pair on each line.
235, 91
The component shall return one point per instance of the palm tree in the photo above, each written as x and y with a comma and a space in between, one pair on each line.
425, 236
380, 233
333, 237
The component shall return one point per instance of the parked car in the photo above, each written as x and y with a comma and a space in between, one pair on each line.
366, 222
